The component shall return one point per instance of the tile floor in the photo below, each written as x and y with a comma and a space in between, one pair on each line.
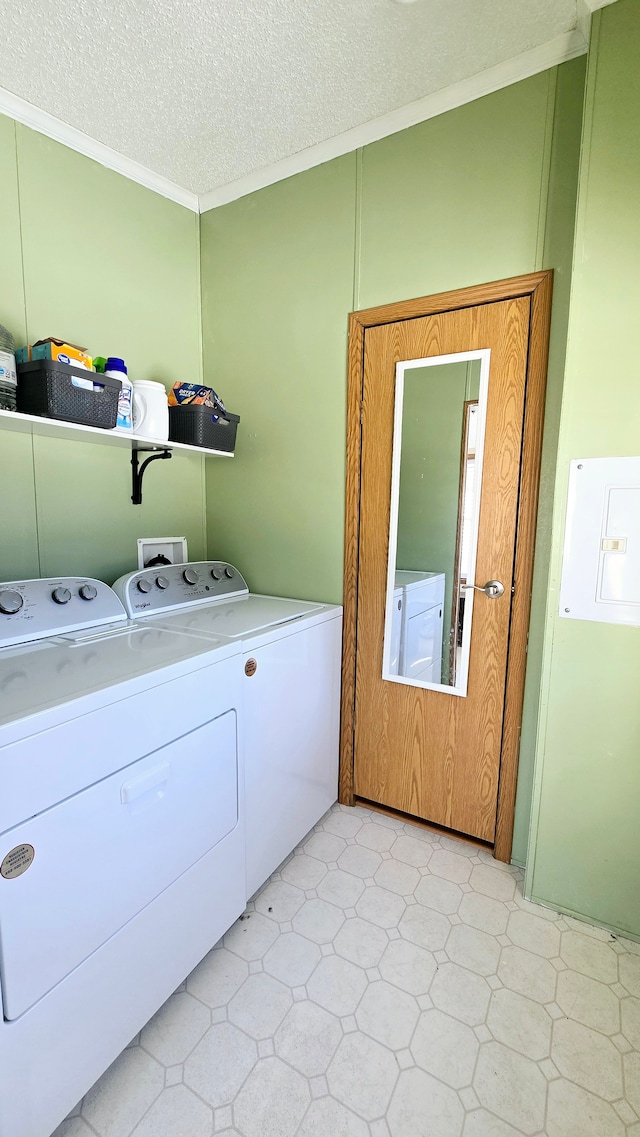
387, 982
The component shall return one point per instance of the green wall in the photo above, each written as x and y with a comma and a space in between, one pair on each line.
585, 840
483, 192
93, 257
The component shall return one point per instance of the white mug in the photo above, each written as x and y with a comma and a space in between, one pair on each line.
150, 410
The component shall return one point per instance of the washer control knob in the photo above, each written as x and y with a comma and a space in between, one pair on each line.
88, 591
228, 572
144, 584
190, 576
61, 595
162, 582
215, 573
10, 601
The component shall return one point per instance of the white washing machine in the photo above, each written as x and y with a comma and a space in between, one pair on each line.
422, 603
291, 654
121, 835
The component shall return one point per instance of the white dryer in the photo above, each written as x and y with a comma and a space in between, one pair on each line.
121, 836
291, 652
421, 634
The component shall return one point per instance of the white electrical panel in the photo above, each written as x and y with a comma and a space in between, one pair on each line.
601, 560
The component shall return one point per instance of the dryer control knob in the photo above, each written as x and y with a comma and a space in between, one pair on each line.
215, 573
10, 601
162, 581
88, 591
190, 576
61, 595
228, 572
144, 585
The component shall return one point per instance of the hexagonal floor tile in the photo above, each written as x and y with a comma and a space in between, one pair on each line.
308, 1038
589, 956
421, 1106
279, 900
425, 928
412, 850
381, 907
318, 921
529, 974
397, 877
573, 1112
484, 913
479, 1123
341, 888
360, 861
124, 1093
511, 1086
174, 1030
272, 1101
473, 949
445, 1048
451, 865
304, 871
291, 959
337, 985
328, 1118
375, 836
630, 1009
408, 966
220, 1063
491, 881
217, 978
342, 822
73, 1127
588, 1058
361, 942
362, 1075
251, 936
588, 1001
324, 846
388, 1015
260, 1005
534, 933
439, 894
631, 1067
520, 1023
629, 966
461, 993
176, 1113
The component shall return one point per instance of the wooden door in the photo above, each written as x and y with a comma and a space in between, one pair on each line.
424, 752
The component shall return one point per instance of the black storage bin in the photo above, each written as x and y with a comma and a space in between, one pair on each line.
196, 426
46, 388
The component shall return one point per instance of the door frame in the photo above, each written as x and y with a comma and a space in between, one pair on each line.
537, 286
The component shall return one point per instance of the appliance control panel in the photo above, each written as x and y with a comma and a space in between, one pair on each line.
168, 587
34, 609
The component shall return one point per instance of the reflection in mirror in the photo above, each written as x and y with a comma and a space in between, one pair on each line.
440, 411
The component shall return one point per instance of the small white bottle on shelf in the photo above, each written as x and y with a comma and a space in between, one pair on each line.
116, 369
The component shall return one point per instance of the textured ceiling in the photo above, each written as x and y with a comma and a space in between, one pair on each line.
207, 91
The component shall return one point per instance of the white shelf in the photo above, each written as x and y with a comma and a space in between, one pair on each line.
75, 431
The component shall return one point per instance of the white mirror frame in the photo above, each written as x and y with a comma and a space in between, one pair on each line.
462, 675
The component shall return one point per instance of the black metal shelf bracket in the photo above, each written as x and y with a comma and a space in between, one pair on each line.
137, 470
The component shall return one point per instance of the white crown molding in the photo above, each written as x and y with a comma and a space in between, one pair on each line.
29, 115
546, 55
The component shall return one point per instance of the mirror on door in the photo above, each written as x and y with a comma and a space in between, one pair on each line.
440, 411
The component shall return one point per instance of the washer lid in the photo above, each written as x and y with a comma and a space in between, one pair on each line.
408, 579
240, 618
43, 674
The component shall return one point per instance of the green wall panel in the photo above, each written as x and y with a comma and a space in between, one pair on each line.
86, 521
114, 266
585, 844
18, 536
455, 200
277, 270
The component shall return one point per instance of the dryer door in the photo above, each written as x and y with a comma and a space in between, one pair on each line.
106, 852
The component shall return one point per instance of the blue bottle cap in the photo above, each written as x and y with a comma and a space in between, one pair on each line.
115, 364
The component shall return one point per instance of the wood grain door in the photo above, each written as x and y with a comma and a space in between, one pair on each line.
426, 752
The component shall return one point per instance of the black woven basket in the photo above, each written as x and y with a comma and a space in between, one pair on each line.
47, 388
195, 425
